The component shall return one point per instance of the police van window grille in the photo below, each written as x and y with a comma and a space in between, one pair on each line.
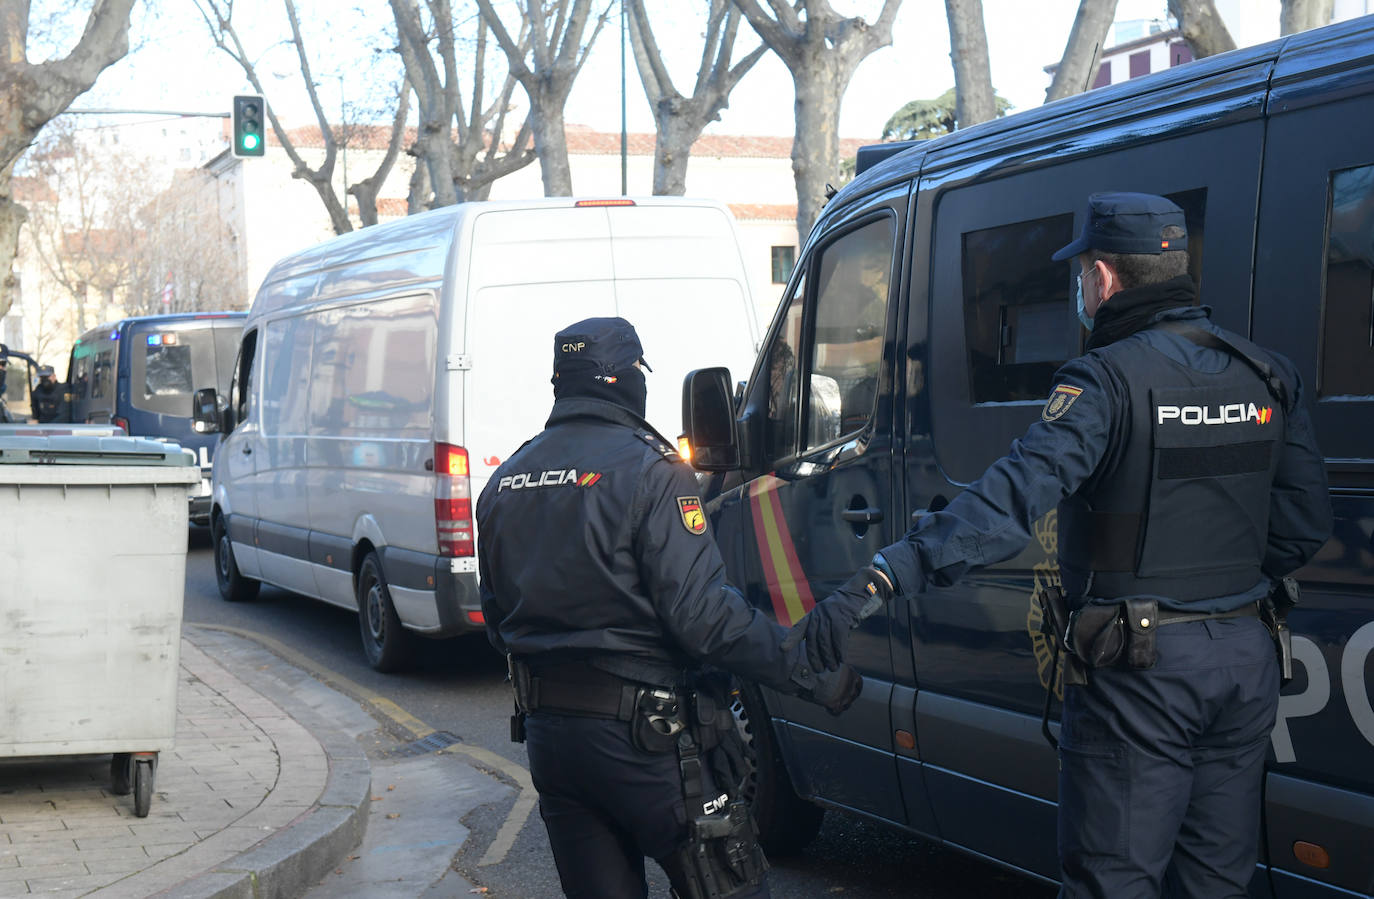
783, 385
847, 338
1347, 331
1019, 316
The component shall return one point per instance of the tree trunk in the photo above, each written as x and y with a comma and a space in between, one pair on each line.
673, 148
1083, 52
816, 145
968, 47
1304, 15
1202, 27
551, 146
12, 217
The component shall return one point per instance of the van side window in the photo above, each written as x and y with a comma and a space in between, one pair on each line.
286, 376
783, 384
242, 390
1347, 328
847, 338
1019, 322
102, 375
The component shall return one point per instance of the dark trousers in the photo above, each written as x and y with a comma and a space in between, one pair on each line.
1160, 769
606, 805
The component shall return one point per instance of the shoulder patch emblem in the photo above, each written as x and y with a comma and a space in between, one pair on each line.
693, 516
1060, 400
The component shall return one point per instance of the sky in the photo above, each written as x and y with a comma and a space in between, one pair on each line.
174, 64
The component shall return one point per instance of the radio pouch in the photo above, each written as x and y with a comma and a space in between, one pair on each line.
1097, 634
1142, 619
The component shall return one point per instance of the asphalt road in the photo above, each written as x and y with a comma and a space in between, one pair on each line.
458, 686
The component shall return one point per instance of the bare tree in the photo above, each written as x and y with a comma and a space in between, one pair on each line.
822, 49
1084, 49
968, 49
219, 18
679, 120
457, 145
547, 69
87, 239
188, 254
1302, 15
1202, 27
31, 94
366, 190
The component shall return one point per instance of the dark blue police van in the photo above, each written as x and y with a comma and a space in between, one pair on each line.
917, 338
140, 374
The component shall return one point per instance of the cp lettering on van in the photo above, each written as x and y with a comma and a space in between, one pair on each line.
557, 477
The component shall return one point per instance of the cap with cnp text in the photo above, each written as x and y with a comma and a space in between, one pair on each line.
609, 344
1128, 223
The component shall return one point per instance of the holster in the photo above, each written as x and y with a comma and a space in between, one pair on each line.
657, 722
518, 673
1274, 610
1054, 626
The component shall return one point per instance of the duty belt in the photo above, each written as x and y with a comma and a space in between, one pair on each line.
577, 689
1249, 610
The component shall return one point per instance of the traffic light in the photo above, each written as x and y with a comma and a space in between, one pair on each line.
249, 113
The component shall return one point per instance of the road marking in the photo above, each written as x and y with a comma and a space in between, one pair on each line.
525, 798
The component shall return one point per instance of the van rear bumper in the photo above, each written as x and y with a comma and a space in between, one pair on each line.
457, 600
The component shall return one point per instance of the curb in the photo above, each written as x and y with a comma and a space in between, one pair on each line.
298, 856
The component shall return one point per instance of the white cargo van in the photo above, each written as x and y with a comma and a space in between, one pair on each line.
383, 375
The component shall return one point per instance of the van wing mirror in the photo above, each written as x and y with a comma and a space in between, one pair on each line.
708, 417
205, 418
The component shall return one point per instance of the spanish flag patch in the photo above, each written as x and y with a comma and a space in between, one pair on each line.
693, 517
1061, 398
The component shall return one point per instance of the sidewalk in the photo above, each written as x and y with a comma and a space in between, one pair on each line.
260, 798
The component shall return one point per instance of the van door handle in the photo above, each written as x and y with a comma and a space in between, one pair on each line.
863, 516
248, 451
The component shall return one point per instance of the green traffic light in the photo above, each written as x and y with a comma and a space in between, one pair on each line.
250, 142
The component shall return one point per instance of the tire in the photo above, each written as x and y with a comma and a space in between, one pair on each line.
119, 774
233, 586
786, 822
385, 642
143, 787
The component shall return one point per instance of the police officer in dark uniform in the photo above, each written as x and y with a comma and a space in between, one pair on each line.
47, 396
1188, 482
601, 582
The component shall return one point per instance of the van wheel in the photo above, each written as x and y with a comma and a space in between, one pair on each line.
786, 822
233, 586
384, 639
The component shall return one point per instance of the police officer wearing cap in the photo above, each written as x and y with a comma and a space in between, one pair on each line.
1188, 485
601, 582
47, 396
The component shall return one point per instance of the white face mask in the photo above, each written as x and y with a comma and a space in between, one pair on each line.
1082, 312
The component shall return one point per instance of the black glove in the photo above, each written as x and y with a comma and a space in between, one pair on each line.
837, 690
826, 627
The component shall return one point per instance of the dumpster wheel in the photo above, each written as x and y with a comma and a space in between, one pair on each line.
120, 764
144, 771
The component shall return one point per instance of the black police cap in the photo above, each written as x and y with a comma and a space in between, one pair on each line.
610, 344
1128, 223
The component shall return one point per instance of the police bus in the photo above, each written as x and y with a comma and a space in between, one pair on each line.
140, 374
918, 337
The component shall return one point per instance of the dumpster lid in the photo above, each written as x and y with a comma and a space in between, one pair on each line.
78, 449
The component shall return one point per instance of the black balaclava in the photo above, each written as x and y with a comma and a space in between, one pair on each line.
625, 388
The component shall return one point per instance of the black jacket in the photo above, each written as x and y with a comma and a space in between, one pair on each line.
593, 545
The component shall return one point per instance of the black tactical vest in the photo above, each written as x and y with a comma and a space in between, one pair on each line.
1183, 509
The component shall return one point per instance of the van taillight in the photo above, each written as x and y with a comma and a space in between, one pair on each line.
120, 423
452, 501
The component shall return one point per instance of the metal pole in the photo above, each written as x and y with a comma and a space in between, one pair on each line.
624, 138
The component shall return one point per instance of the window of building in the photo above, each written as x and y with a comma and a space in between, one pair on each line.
784, 260
1179, 53
1020, 323
1140, 63
1104, 74
1347, 333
